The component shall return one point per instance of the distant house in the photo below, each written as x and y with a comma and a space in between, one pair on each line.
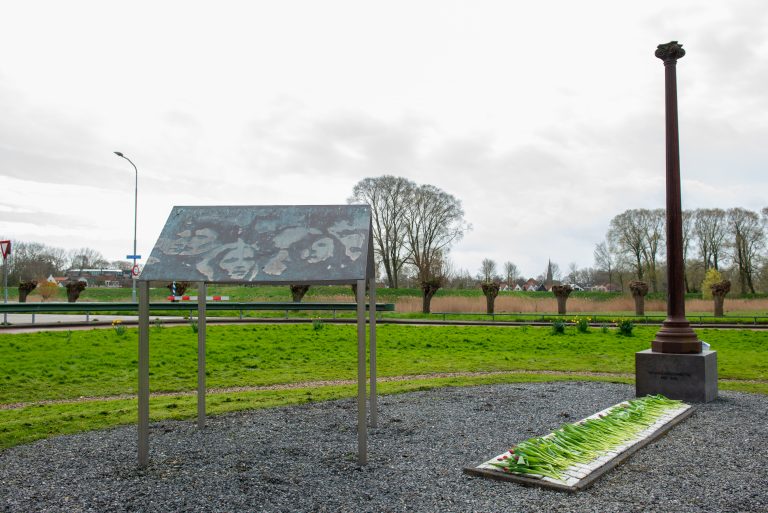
531, 284
541, 288
517, 288
58, 280
101, 277
606, 287
503, 287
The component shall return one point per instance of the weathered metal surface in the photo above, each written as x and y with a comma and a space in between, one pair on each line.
262, 244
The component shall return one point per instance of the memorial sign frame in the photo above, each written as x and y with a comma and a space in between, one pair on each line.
273, 245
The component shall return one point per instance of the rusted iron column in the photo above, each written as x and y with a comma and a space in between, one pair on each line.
676, 334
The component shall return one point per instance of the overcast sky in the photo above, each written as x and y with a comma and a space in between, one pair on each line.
546, 119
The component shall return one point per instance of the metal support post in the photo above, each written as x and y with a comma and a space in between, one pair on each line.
201, 293
144, 374
372, 350
362, 428
5, 287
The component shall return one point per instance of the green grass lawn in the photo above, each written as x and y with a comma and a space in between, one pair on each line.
66, 365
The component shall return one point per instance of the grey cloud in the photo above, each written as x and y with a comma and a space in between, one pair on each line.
340, 144
47, 147
10, 214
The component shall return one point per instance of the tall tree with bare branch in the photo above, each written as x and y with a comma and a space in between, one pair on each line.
510, 272
388, 197
487, 270
710, 227
435, 220
627, 234
747, 240
605, 260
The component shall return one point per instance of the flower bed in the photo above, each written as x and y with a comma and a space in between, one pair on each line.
575, 455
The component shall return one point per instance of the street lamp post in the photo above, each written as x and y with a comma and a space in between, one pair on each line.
135, 217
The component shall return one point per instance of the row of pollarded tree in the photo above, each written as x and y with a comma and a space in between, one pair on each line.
719, 290
639, 291
74, 288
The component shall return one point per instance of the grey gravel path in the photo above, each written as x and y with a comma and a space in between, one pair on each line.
303, 459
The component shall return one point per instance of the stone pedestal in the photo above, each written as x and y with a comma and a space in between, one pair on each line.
688, 377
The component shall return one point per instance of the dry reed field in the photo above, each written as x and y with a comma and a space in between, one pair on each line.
506, 304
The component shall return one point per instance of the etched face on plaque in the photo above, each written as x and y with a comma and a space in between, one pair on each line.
262, 244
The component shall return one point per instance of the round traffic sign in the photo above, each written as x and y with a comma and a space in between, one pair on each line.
135, 270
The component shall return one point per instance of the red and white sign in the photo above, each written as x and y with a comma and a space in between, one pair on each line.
135, 270
5, 248
194, 298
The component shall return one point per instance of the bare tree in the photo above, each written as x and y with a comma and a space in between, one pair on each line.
573, 273
435, 220
654, 223
747, 239
586, 276
604, 260
58, 258
388, 197
32, 261
123, 265
487, 270
638, 235
627, 235
511, 273
710, 228
688, 217
87, 258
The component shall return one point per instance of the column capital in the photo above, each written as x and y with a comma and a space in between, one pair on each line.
670, 52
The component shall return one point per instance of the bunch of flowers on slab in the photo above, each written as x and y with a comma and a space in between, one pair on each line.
584, 441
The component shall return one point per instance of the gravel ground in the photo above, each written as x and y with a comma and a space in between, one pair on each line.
303, 459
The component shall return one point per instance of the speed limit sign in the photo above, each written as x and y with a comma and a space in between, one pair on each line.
135, 270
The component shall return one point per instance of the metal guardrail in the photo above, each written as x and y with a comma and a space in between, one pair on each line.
89, 308
181, 306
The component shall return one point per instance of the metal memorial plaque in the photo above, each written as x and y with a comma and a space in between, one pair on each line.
262, 244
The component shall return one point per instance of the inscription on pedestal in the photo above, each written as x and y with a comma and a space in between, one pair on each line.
688, 377
671, 376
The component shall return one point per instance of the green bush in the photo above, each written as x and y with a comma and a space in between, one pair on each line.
625, 327
558, 327
582, 324
712, 277
117, 325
